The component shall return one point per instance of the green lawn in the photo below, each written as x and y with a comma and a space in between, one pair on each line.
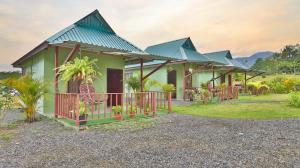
247, 107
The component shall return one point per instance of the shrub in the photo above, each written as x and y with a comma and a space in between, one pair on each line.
294, 99
30, 91
168, 88
257, 88
289, 84
277, 85
263, 89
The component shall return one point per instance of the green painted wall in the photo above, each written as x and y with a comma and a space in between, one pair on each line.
44, 64
35, 67
162, 77
203, 77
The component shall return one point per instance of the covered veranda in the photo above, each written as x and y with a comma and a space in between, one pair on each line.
102, 105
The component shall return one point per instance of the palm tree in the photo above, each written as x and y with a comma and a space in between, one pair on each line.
30, 91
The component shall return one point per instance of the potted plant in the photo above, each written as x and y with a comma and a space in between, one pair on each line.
132, 112
83, 113
117, 112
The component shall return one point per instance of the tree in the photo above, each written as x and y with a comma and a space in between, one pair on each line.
291, 54
30, 91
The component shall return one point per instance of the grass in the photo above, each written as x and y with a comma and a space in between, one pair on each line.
247, 107
95, 121
131, 123
6, 135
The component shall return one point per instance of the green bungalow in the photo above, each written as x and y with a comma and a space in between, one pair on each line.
193, 69
91, 36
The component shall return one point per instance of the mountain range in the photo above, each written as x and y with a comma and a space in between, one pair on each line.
7, 68
250, 60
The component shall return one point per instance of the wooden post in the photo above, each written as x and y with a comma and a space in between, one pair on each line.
169, 102
142, 71
184, 81
154, 104
77, 122
56, 90
245, 84
213, 78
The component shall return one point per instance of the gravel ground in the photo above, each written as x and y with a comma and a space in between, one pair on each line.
176, 141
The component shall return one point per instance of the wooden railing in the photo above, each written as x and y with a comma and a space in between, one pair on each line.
227, 93
100, 105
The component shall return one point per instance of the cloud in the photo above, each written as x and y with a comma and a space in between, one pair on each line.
243, 27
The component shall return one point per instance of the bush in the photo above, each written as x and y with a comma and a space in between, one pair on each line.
257, 88
294, 99
279, 85
289, 84
168, 88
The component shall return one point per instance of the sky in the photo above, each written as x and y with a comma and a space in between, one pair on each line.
242, 26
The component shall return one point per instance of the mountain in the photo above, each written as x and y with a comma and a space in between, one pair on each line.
250, 60
8, 68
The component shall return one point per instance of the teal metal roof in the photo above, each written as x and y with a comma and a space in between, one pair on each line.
155, 62
93, 30
220, 57
225, 57
239, 65
182, 49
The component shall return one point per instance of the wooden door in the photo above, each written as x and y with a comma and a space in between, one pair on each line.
172, 80
222, 79
229, 80
114, 85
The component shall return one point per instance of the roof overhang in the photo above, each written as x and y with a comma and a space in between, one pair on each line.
129, 56
34, 51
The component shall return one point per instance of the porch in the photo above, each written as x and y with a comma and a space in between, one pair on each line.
100, 106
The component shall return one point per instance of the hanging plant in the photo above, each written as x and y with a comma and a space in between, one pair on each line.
83, 70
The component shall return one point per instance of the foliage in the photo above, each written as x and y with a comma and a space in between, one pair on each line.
294, 99
6, 100
289, 84
79, 69
286, 61
30, 91
168, 88
282, 85
222, 86
132, 109
82, 108
117, 109
206, 96
4, 75
257, 88
190, 93
134, 83
204, 85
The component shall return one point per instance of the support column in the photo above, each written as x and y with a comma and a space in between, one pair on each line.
184, 80
56, 90
213, 78
245, 84
142, 71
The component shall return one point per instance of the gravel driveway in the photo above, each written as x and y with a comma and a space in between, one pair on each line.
176, 141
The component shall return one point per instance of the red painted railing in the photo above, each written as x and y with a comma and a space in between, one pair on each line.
100, 105
227, 93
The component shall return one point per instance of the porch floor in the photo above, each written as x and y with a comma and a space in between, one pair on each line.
96, 121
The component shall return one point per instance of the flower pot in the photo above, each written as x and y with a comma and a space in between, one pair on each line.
83, 119
132, 115
118, 117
